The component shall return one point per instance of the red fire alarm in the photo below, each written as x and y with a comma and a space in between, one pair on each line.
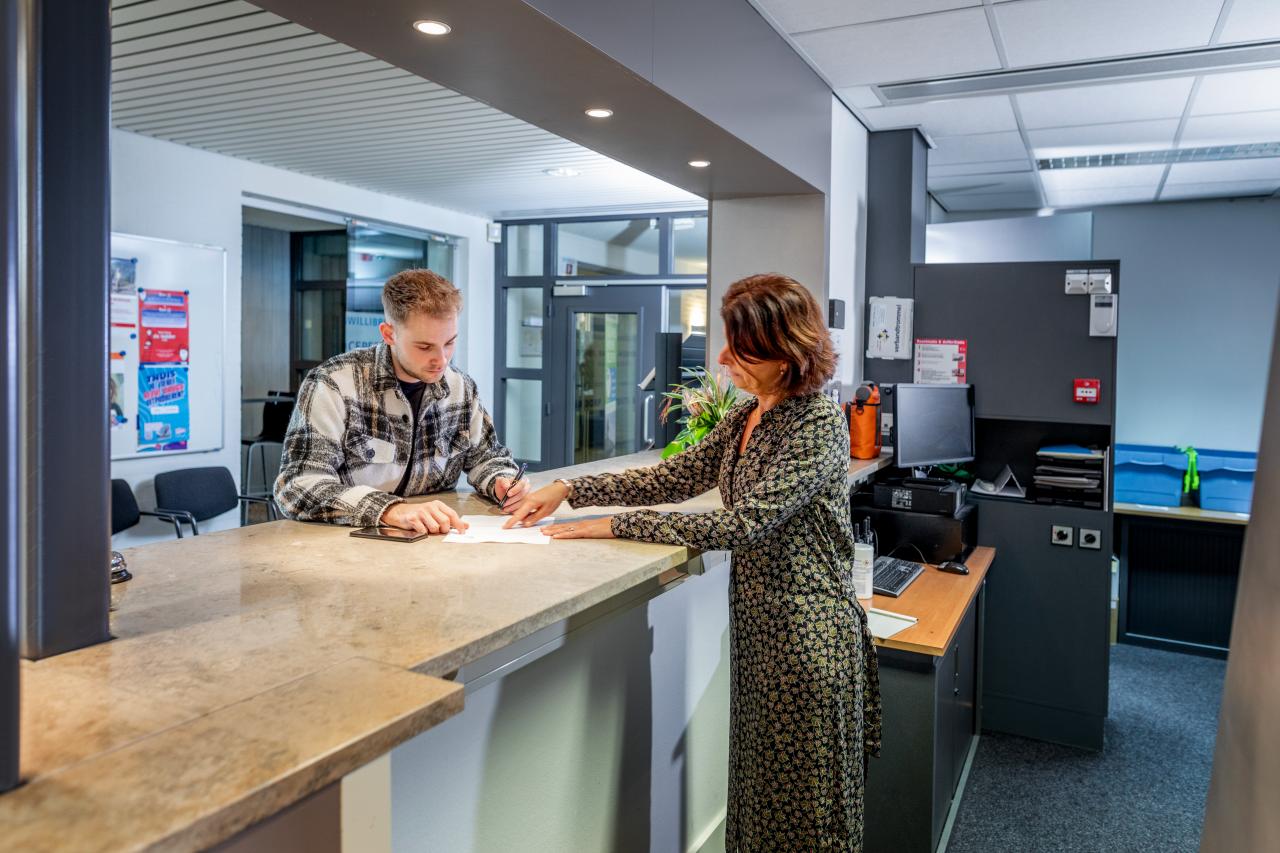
1088, 390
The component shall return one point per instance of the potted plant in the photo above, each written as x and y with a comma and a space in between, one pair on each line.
704, 398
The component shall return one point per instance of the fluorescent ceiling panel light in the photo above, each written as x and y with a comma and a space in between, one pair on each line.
562, 172
1200, 61
1206, 154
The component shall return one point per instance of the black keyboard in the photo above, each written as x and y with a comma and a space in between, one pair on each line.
891, 576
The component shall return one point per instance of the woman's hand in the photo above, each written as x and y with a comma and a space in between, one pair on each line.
538, 505
586, 528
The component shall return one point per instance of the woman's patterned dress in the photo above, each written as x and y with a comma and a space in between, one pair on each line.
805, 698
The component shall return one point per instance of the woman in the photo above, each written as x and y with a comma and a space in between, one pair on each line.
805, 703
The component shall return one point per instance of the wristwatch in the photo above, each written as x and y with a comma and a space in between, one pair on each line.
568, 485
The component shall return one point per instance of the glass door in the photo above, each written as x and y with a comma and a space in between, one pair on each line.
607, 403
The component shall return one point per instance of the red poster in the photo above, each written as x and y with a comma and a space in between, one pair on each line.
164, 327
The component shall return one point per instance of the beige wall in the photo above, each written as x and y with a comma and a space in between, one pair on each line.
785, 234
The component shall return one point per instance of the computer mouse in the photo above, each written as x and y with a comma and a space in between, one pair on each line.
953, 567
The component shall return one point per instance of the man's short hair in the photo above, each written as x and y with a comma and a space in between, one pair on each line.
419, 292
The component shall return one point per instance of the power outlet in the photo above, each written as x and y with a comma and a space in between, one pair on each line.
1090, 538
1062, 535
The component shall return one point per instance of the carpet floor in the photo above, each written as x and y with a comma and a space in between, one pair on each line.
1144, 792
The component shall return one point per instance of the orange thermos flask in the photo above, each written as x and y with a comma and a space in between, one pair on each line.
864, 422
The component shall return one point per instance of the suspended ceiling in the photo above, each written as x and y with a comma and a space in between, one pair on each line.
991, 128
228, 77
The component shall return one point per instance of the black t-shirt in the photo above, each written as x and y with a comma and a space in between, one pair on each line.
413, 391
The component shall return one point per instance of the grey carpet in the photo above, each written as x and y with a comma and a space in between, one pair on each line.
1144, 792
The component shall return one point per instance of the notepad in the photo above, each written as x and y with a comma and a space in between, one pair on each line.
885, 623
487, 529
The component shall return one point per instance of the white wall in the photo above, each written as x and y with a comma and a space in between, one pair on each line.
1198, 293
1198, 288
159, 189
1062, 237
847, 237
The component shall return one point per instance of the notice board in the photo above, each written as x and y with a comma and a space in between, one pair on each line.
166, 320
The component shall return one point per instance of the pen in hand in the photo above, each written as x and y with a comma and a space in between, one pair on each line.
512, 485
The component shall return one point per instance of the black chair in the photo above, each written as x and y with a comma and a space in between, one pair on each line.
125, 512
199, 494
275, 423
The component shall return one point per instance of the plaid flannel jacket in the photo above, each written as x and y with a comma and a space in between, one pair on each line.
348, 441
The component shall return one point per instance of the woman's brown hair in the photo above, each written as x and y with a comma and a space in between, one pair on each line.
771, 317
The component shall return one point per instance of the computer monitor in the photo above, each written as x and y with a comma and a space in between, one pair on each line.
932, 424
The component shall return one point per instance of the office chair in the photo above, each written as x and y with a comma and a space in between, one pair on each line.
125, 512
275, 422
199, 494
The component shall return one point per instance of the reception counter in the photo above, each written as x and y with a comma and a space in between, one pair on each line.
253, 667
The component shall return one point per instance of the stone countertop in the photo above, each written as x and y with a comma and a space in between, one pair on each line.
171, 735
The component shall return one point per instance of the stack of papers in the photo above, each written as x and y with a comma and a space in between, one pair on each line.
488, 529
885, 623
1070, 474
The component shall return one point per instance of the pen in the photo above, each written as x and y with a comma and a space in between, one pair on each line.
516, 479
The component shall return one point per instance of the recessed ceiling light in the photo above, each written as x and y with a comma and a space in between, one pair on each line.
562, 172
432, 28
599, 112
699, 164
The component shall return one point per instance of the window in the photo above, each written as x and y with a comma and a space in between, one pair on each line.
615, 247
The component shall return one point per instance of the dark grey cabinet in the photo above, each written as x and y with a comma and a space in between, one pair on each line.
1046, 655
1027, 339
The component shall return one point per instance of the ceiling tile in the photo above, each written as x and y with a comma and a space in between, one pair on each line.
1044, 32
937, 170
1235, 129
1226, 189
990, 201
1103, 177
1103, 138
947, 118
795, 16
1238, 91
1139, 101
1251, 20
977, 148
1261, 169
907, 49
1093, 197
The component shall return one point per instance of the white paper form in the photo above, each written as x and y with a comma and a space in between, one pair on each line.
488, 529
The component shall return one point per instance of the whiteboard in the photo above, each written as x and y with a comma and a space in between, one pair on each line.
166, 324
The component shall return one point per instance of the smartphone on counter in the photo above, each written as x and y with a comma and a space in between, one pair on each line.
390, 534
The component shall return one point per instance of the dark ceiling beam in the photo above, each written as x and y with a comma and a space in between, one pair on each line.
509, 55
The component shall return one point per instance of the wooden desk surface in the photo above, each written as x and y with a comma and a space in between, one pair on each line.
939, 601
1182, 513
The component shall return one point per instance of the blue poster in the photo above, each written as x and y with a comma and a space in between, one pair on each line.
164, 411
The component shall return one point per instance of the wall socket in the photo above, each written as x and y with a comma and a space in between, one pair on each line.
1090, 538
1062, 535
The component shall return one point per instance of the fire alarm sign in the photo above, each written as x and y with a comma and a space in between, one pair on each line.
1088, 390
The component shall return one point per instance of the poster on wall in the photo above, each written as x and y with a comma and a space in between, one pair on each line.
164, 415
941, 361
163, 326
166, 336
889, 327
123, 287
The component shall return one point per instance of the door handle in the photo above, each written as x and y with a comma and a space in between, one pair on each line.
649, 437
647, 382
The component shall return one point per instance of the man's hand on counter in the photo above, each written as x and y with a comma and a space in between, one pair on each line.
509, 496
426, 517
586, 528
538, 505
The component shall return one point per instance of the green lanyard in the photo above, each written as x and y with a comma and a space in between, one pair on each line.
1191, 479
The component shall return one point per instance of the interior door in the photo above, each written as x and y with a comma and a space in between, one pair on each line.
606, 402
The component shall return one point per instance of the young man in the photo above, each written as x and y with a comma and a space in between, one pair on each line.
373, 426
